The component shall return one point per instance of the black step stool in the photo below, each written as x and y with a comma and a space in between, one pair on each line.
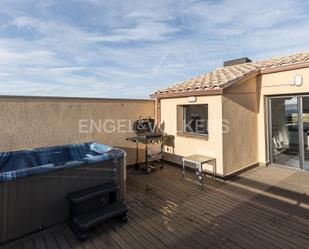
92, 206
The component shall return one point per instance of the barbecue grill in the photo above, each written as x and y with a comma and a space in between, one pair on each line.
145, 133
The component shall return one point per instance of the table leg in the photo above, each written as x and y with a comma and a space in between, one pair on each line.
183, 168
215, 170
162, 153
200, 176
136, 166
147, 168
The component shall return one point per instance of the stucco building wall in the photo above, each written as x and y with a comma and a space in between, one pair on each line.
244, 107
184, 146
240, 142
28, 122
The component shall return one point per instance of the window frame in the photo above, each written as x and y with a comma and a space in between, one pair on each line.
181, 121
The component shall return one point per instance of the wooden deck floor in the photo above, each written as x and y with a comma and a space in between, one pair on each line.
167, 211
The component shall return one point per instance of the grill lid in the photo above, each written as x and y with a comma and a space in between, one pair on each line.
143, 126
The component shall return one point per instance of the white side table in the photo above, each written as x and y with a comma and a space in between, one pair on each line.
198, 161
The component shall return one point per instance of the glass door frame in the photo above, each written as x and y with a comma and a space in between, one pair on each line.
300, 127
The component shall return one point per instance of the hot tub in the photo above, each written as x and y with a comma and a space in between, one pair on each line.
34, 183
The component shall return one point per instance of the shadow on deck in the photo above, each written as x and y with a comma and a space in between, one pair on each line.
167, 211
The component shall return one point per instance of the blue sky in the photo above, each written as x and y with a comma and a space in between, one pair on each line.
128, 49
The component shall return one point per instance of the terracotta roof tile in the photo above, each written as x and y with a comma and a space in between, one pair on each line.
224, 76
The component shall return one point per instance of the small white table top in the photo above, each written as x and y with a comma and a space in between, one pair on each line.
198, 158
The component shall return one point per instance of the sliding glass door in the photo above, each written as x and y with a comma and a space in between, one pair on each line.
285, 131
305, 107
289, 131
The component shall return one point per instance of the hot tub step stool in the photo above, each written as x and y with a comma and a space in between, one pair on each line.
88, 220
92, 206
90, 193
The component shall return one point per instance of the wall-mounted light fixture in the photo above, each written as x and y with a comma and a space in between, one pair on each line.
192, 99
298, 80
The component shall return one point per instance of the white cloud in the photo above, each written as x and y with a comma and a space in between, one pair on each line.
131, 48
34, 57
147, 31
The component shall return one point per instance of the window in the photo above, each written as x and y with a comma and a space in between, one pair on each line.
193, 119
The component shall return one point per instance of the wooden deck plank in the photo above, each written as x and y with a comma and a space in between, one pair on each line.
50, 241
138, 237
61, 240
118, 228
168, 224
200, 232
71, 238
97, 243
192, 237
205, 225
115, 236
168, 237
167, 209
199, 219
269, 214
233, 198
169, 212
39, 242
145, 232
105, 238
218, 208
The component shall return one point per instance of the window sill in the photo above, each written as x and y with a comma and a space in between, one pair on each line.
197, 136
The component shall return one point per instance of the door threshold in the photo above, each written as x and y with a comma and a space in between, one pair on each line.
285, 166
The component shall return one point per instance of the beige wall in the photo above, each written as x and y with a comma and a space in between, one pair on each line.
185, 146
240, 142
275, 84
244, 106
37, 122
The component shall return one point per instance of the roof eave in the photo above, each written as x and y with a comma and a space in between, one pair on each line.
216, 91
282, 68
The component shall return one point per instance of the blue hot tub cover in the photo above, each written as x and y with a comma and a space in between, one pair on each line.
19, 164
